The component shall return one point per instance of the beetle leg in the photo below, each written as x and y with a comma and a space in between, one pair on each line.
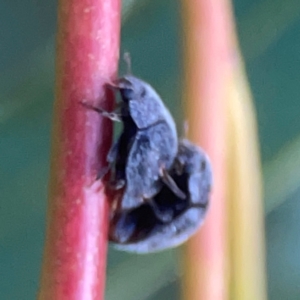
114, 115
179, 165
117, 185
171, 184
113, 152
164, 217
103, 172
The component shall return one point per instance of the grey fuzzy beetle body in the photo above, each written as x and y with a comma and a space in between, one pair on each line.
147, 144
164, 185
169, 220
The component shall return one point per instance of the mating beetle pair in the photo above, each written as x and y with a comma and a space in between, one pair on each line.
165, 183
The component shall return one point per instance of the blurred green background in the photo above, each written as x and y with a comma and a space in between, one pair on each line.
270, 41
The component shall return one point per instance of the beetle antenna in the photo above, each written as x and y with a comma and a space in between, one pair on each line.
127, 60
185, 128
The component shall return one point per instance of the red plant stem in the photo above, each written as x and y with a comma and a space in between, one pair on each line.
76, 239
209, 51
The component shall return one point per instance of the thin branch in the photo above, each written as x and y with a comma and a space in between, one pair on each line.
87, 58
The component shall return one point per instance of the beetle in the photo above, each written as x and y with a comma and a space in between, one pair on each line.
146, 149
167, 220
